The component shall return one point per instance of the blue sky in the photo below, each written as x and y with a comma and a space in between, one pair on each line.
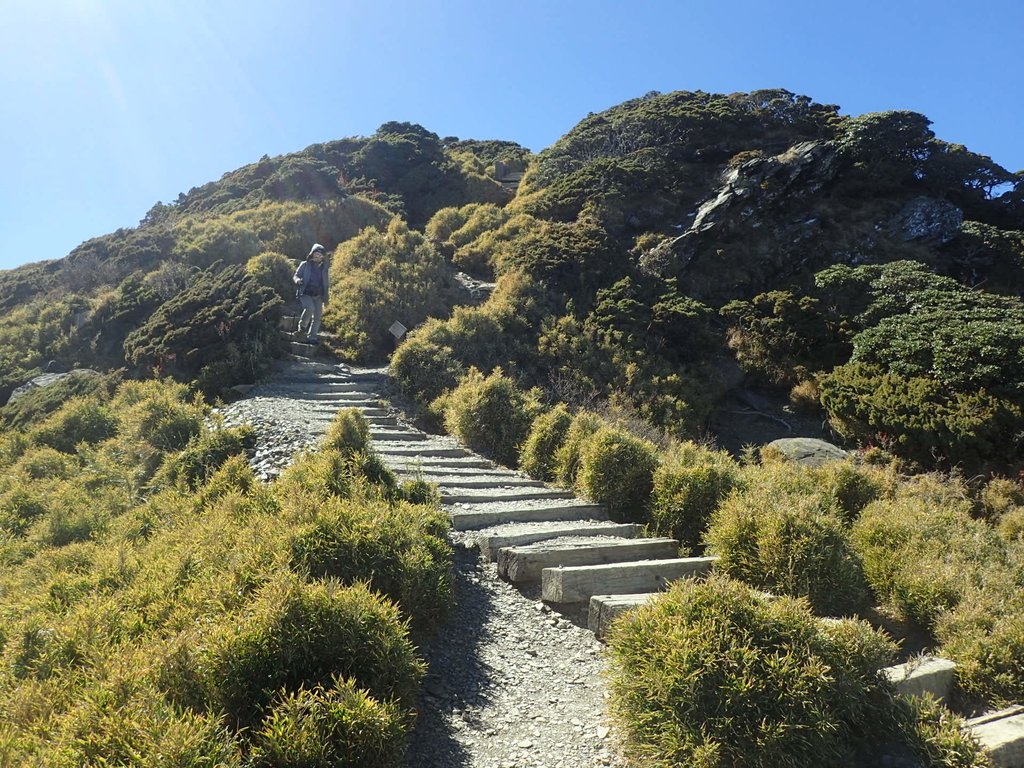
107, 106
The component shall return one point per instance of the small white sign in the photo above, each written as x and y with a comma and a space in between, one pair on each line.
397, 330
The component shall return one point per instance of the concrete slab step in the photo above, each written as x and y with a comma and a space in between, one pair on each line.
1002, 735
524, 563
464, 495
482, 517
360, 396
604, 609
490, 540
577, 584
288, 324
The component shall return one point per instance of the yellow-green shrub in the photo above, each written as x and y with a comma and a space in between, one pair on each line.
81, 420
425, 369
302, 635
348, 433
400, 550
689, 484
784, 542
921, 549
712, 674
205, 454
273, 270
567, 457
491, 415
617, 469
547, 433
326, 727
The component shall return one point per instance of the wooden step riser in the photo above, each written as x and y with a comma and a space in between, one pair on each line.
604, 609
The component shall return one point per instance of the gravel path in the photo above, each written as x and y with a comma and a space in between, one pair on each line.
510, 684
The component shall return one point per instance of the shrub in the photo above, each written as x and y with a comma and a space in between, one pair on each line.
158, 413
45, 462
205, 454
617, 470
567, 457
547, 433
274, 271
424, 369
1011, 525
920, 550
491, 415
984, 635
689, 484
299, 635
713, 674
399, 550
348, 433
784, 542
999, 497
81, 420
234, 475
328, 727
20, 507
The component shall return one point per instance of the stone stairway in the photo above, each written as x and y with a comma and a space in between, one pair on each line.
544, 537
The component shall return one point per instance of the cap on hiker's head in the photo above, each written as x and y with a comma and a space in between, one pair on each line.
317, 248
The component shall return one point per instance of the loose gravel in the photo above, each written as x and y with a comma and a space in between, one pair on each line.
510, 683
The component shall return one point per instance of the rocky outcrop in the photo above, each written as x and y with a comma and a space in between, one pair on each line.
47, 379
746, 193
930, 220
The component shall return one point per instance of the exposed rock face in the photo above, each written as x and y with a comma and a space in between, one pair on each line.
808, 451
747, 192
46, 379
927, 219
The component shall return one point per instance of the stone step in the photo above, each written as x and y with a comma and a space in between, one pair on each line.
288, 323
928, 674
490, 540
1002, 735
604, 609
464, 495
577, 584
325, 387
482, 517
525, 563
409, 465
396, 435
446, 479
354, 396
304, 350
403, 449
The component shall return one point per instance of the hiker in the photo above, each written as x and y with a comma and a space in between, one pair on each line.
311, 277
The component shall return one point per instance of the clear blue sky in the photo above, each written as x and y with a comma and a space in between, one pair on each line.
107, 106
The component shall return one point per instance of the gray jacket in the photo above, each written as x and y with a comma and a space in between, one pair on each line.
306, 274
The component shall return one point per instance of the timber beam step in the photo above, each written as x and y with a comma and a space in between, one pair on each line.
577, 584
604, 609
478, 518
521, 534
482, 496
524, 564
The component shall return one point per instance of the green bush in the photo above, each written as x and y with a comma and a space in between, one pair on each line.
205, 454
984, 635
20, 507
921, 549
81, 420
547, 433
45, 462
783, 541
400, 550
424, 369
617, 470
689, 484
491, 415
567, 457
158, 413
348, 433
274, 271
234, 475
713, 674
330, 727
299, 635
